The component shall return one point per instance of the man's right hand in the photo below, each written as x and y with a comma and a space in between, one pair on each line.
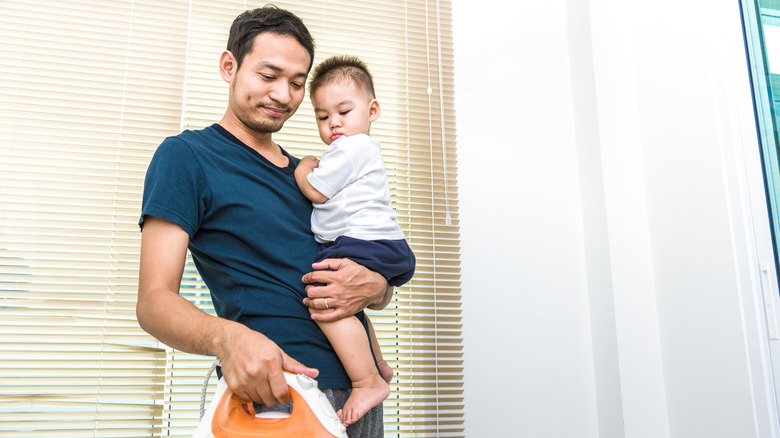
253, 367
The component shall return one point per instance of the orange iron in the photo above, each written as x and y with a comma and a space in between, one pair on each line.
312, 415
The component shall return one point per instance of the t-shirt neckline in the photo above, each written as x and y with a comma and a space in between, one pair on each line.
232, 138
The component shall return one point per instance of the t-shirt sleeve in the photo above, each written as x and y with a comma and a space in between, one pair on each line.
173, 186
343, 163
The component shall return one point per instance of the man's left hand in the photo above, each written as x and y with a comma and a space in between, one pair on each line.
346, 289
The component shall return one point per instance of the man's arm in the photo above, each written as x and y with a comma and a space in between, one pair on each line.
302, 171
348, 288
252, 364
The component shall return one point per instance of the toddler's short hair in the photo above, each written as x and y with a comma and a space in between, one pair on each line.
345, 68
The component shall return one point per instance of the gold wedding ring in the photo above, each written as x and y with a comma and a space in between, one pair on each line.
326, 303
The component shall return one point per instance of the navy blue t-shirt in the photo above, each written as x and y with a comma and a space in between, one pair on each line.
250, 237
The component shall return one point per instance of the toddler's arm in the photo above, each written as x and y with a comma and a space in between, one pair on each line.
307, 164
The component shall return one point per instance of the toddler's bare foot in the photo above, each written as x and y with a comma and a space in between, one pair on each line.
365, 395
385, 371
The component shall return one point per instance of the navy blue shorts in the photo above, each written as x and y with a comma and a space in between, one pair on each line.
393, 259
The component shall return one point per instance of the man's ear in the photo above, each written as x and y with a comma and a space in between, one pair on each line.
227, 66
373, 110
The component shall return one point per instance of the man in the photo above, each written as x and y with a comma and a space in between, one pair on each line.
228, 193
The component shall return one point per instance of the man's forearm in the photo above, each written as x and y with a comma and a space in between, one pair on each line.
179, 324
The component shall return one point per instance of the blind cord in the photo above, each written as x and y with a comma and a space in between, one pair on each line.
433, 217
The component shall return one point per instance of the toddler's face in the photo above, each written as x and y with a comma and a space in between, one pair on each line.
341, 108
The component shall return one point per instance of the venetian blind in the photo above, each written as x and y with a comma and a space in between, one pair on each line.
88, 89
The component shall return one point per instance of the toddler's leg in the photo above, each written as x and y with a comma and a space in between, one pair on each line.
384, 369
351, 344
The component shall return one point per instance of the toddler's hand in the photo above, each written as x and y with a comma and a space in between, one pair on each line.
309, 161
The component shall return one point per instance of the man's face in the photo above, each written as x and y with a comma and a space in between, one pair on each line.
271, 83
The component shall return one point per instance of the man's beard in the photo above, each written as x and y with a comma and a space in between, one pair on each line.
262, 126
255, 121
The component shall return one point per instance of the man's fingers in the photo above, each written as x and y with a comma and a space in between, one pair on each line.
329, 315
295, 367
321, 303
278, 387
277, 382
323, 271
320, 276
332, 264
243, 391
243, 395
253, 369
317, 303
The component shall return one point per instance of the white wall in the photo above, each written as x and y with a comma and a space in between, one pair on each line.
609, 265
529, 361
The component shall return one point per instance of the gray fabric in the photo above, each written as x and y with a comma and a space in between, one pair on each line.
370, 425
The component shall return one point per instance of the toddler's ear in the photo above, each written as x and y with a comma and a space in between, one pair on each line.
373, 110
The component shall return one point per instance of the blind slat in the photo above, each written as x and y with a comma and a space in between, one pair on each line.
86, 97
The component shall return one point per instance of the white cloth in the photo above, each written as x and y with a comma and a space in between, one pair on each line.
352, 175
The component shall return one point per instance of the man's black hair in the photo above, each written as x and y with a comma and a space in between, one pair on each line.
269, 18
